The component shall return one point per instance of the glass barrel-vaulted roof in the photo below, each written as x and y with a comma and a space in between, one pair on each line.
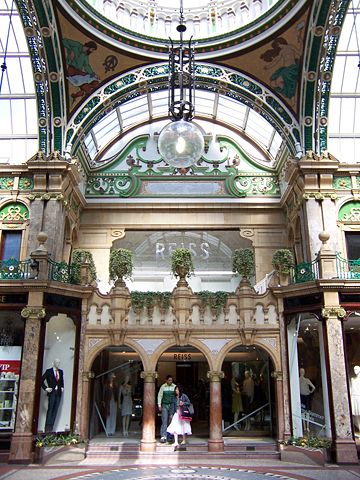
203, 18
210, 106
18, 118
344, 106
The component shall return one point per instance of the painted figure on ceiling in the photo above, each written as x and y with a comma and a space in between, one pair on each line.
79, 71
287, 58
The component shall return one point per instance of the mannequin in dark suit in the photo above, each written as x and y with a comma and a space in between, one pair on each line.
52, 382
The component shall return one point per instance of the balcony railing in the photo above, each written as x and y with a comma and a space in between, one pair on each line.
13, 269
347, 269
61, 272
305, 272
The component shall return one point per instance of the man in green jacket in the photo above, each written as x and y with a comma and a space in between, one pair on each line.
166, 405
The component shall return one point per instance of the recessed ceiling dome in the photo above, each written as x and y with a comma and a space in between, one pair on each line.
203, 18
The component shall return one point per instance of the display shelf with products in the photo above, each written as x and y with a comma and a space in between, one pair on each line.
8, 399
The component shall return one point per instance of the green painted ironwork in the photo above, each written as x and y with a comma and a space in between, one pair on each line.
61, 272
13, 269
305, 272
350, 212
347, 269
14, 212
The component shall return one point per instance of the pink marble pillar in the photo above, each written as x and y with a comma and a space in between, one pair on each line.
148, 442
84, 414
216, 442
279, 404
22, 438
345, 448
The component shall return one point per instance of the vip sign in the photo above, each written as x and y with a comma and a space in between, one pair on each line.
10, 366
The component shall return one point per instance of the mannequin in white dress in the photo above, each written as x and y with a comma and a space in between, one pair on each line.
126, 405
355, 397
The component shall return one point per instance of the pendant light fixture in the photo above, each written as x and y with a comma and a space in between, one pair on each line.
181, 142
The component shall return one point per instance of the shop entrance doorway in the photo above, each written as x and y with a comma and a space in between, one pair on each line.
117, 393
248, 393
188, 367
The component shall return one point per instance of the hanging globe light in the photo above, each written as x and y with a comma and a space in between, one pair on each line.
181, 143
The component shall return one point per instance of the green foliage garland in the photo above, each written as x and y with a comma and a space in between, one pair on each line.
216, 300
141, 299
120, 264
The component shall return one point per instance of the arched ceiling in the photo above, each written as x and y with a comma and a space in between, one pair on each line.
91, 73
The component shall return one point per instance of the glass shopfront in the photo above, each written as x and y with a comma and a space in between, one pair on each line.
352, 351
308, 381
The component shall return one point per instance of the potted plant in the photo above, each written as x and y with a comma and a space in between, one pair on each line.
243, 262
181, 263
120, 264
308, 450
283, 260
48, 445
79, 259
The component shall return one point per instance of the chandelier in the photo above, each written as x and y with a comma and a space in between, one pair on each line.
181, 142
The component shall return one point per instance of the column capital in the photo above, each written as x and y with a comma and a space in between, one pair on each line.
88, 375
149, 377
215, 376
278, 375
33, 312
338, 312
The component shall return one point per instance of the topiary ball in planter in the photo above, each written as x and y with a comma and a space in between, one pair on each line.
243, 262
120, 264
283, 260
181, 263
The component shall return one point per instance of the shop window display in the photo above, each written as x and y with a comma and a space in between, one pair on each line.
352, 351
308, 386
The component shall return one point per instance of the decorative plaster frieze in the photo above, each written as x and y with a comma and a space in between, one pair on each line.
214, 344
150, 344
93, 342
272, 342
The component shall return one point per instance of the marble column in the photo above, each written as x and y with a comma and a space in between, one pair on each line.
279, 389
83, 415
216, 442
148, 442
345, 448
22, 438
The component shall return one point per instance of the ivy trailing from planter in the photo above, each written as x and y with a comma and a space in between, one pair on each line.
79, 257
243, 262
120, 264
139, 300
216, 300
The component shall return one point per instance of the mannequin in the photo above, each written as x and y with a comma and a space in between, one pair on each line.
111, 395
237, 406
126, 405
355, 397
52, 382
248, 395
306, 389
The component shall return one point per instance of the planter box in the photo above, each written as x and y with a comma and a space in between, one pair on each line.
304, 455
62, 453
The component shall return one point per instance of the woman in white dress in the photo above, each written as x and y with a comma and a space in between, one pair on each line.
126, 405
179, 427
